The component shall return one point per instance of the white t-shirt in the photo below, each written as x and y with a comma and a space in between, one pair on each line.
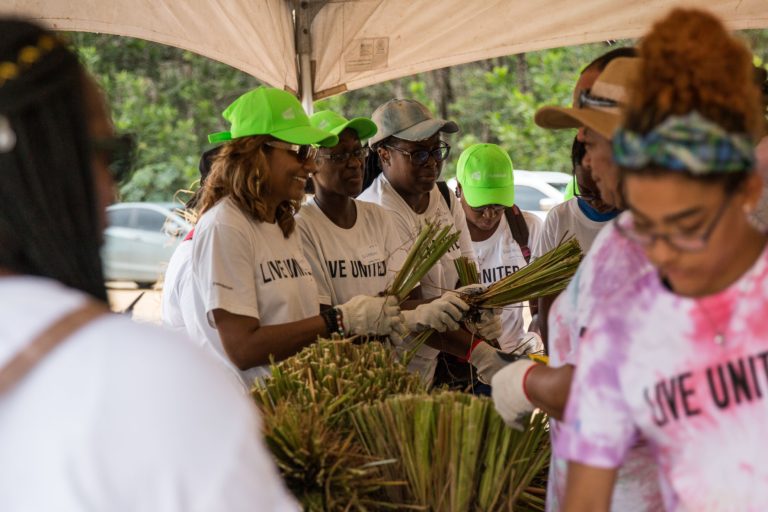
247, 268
498, 257
361, 260
565, 220
123, 417
654, 364
443, 276
175, 284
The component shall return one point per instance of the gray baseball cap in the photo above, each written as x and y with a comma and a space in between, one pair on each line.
408, 120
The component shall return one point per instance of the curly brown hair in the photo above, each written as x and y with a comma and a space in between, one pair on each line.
691, 62
241, 172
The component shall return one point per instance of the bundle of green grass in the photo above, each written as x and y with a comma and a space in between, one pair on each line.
352, 429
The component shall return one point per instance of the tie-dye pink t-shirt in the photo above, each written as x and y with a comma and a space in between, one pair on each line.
603, 273
690, 376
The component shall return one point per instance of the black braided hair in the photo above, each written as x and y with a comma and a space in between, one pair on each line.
48, 220
373, 163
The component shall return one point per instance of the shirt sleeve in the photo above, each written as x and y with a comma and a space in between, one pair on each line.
545, 241
223, 270
534, 224
598, 428
313, 253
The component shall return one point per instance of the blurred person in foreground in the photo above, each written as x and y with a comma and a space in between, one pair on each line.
688, 319
523, 385
96, 412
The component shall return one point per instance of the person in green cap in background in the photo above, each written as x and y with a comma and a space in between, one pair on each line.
255, 297
352, 245
501, 233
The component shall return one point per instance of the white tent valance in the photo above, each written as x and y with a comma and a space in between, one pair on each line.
349, 44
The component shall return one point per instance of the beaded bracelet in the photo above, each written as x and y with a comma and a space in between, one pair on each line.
333, 321
26, 57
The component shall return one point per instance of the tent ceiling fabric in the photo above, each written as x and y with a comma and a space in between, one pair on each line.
362, 42
356, 43
255, 36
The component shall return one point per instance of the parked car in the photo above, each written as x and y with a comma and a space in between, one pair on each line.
533, 192
139, 241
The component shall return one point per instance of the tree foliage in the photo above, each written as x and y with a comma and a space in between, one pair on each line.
172, 99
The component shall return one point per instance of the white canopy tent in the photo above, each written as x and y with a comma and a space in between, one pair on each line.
323, 47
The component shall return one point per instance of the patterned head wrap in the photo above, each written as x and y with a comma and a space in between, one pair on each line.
685, 143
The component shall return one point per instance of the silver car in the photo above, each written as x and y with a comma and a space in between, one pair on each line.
139, 241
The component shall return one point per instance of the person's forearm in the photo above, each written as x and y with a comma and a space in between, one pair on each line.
248, 344
456, 342
588, 489
548, 388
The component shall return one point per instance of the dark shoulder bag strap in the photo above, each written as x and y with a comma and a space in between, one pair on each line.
23, 362
446, 192
519, 230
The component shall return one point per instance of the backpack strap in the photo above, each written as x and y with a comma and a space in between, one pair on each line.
446, 192
23, 362
519, 230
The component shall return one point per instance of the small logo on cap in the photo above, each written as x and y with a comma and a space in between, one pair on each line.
289, 114
477, 176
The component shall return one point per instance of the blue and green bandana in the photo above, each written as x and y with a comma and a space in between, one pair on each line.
685, 143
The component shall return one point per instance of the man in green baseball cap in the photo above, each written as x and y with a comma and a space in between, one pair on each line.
501, 233
270, 111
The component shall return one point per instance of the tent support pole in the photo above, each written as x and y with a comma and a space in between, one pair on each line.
305, 11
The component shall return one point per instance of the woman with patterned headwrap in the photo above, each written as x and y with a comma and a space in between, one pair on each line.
678, 356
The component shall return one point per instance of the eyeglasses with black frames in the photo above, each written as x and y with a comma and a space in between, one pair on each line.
303, 152
686, 242
421, 156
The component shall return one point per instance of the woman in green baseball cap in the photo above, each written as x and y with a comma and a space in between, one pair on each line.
352, 246
255, 296
501, 233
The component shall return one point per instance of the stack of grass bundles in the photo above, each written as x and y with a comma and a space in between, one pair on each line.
307, 426
335, 375
455, 452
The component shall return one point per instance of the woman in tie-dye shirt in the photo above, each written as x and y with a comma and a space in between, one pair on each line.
679, 357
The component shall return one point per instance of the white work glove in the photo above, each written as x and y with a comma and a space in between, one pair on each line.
443, 314
371, 315
530, 343
489, 324
508, 392
488, 360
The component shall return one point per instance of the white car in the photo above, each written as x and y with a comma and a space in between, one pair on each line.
536, 192
139, 241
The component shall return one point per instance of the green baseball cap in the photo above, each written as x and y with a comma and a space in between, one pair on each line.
270, 111
335, 123
486, 176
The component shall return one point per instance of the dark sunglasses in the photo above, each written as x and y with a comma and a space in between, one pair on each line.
120, 153
421, 156
303, 152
